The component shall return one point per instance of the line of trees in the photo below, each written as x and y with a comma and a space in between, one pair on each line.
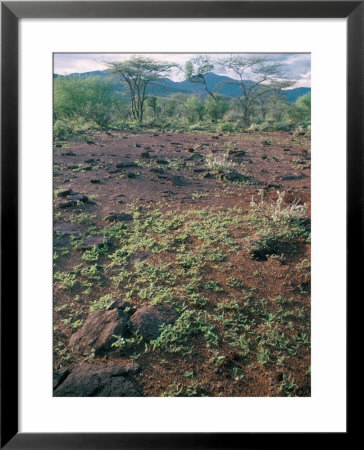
81, 103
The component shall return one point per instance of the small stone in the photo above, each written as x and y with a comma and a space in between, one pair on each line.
95, 241
126, 164
145, 155
119, 217
59, 376
131, 175
65, 193
97, 332
162, 161
233, 176
95, 181
156, 170
179, 181
106, 380
148, 319
132, 368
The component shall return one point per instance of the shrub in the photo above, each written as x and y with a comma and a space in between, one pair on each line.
225, 126
219, 162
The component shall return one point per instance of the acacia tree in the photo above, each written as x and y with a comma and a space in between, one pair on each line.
196, 69
138, 72
257, 77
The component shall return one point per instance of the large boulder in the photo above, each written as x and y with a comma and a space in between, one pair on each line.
107, 380
98, 330
148, 319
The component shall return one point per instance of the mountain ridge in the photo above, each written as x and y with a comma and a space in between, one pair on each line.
165, 87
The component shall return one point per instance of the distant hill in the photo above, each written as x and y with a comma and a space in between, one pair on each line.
166, 87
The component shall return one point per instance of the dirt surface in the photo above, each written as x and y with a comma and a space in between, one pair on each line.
187, 238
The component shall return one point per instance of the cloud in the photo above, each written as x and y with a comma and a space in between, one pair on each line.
296, 66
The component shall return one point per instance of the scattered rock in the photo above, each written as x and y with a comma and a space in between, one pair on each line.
73, 199
179, 181
59, 376
107, 380
138, 145
148, 319
156, 170
95, 181
95, 241
65, 193
293, 176
145, 155
68, 228
126, 307
119, 217
126, 164
97, 332
162, 161
233, 176
132, 368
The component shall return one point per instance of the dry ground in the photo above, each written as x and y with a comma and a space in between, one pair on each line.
239, 282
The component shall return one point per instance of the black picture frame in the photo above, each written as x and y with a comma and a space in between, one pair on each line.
11, 12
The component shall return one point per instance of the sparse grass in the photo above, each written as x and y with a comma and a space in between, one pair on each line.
218, 162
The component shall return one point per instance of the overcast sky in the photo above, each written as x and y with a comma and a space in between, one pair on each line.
296, 66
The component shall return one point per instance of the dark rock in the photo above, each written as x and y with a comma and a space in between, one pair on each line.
215, 137
95, 241
293, 176
126, 307
191, 150
95, 181
97, 332
59, 376
138, 145
119, 217
107, 380
145, 155
132, 368
179, 181
68, 228
199, 169
65, 193
162, 161
131, 175
90, 161
264, 156
148, 319
156, 170
73, 199
126, 164
233, 176
69, 153
87, 168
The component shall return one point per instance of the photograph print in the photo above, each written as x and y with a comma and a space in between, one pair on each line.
181, 225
